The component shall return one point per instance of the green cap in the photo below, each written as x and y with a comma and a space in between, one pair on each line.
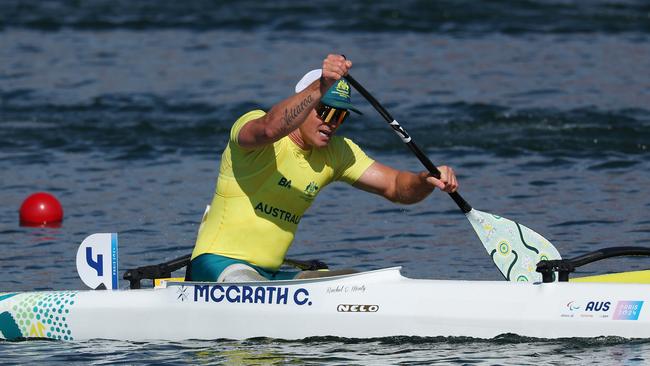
338, 96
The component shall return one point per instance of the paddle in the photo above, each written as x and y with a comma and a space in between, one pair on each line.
514, 248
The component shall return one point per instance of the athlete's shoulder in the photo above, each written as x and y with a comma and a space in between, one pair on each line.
242, 120
348, 159
338, 143
251, 115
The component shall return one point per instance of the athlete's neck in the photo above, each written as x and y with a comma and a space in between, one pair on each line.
297, 139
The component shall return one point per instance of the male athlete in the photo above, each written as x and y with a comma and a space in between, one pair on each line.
274, 166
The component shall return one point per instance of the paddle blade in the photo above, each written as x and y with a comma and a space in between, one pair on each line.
514, 248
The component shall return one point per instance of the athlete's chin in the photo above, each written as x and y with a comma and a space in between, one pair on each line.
321, 141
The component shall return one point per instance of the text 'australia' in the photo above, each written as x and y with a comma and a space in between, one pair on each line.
277, 212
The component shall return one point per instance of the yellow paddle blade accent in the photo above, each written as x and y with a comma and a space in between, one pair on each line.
158, 281
623, 277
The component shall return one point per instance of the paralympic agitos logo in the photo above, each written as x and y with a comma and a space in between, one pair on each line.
591, 306
251, 295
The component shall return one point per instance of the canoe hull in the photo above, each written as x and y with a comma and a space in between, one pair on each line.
365, 305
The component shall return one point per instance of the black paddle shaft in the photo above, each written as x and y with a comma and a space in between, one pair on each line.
406, 138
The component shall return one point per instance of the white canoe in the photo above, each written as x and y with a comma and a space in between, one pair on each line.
364, 305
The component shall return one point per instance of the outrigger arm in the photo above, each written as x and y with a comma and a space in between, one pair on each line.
566, 266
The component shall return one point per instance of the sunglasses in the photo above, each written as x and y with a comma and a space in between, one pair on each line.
330, 114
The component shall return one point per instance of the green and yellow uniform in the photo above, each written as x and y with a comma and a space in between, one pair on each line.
261, 195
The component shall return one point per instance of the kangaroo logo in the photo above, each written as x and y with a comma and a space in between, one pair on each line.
343, 88
311, 189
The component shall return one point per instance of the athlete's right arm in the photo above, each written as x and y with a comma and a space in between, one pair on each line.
290, 113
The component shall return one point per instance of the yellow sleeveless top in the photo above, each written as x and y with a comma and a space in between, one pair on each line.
261, 194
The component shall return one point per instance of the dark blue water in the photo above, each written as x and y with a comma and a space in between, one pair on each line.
122, 110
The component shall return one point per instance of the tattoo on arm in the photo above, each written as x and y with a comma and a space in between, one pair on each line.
290, 115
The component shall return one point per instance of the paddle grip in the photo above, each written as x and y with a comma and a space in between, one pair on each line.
408, 140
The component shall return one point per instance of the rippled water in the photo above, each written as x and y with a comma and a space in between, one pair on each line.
505, 350
122, 110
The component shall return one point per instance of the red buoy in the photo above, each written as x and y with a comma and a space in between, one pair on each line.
41, 209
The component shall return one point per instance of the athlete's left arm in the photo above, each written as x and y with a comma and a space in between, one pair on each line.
403, 186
